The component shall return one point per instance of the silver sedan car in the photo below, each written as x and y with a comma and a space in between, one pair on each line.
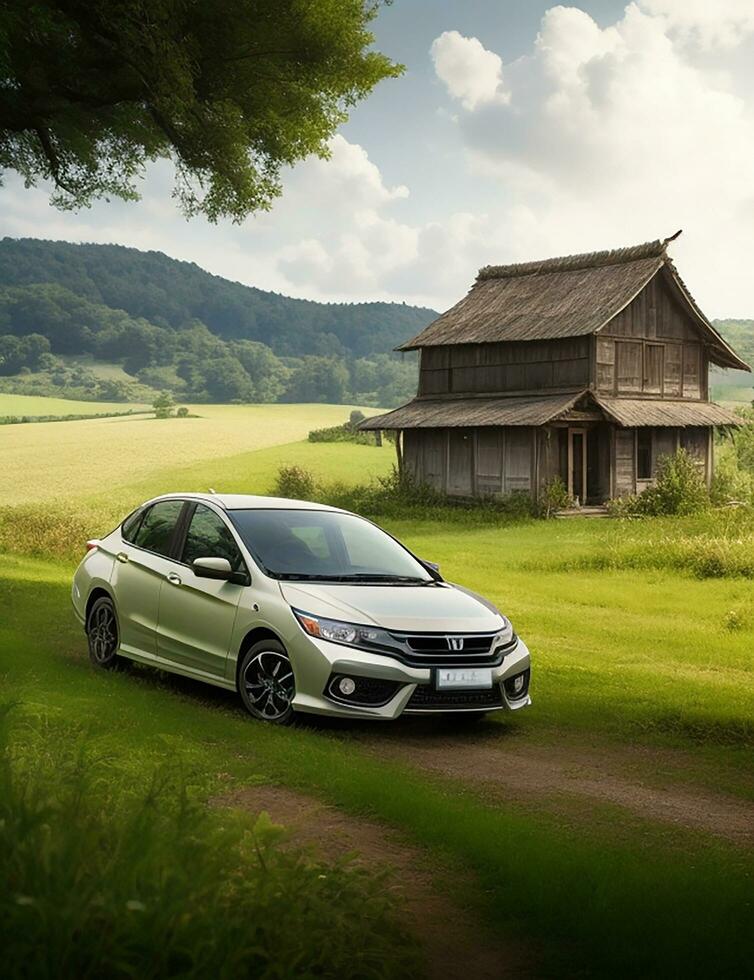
298, 607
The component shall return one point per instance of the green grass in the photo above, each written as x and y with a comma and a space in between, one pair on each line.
633, 644
658, 896
153, 883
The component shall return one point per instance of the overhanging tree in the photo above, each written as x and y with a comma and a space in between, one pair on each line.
230, 90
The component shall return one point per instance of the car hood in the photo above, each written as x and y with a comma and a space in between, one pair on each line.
441, 608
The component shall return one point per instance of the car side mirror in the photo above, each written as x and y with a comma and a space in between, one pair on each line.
432, 567
217, 568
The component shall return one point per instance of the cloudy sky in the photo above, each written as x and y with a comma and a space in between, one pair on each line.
520, 130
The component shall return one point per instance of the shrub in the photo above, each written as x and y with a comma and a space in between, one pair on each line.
295, 482
399, 495
731, 483
342, 433
163, 405
678, 490
554, 496
182, 412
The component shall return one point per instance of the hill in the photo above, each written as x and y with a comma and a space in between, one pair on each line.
170, 293
170, 325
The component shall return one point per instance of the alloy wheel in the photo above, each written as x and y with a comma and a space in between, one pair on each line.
269, 684
103, 633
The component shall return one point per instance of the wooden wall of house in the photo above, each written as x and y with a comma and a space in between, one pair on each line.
637, 454
471, 462
652, 348
531, 366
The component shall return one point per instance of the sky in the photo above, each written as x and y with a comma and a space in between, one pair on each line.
519, 130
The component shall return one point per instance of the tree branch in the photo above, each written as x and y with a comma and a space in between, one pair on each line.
52, 158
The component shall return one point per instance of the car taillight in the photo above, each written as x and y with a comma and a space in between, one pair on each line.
91, 545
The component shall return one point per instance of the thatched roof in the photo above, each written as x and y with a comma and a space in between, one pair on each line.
442, 413
572, 296
630, 412
426, 413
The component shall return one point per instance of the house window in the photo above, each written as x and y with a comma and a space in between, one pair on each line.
644, 454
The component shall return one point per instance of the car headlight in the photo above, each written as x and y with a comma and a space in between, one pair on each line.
506, 633
338, 632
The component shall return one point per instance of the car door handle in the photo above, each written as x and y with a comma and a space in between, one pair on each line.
122, 556
173, 578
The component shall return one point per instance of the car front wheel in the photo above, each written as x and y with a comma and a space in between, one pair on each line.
266, 682
102, 633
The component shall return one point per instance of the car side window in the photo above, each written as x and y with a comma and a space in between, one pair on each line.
209, 537
156, 531
130, 526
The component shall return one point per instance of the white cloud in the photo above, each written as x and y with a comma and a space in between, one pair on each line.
706, 22
618, 134
470, 72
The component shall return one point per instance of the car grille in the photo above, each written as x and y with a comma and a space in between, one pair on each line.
436, 649
426, 698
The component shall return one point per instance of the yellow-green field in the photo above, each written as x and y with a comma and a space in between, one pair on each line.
50, 461
35, 405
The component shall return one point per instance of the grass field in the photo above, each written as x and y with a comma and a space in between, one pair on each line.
606, 831
63, 461
31, 405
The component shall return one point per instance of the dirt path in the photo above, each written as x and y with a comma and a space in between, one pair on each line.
456, 946
611, 776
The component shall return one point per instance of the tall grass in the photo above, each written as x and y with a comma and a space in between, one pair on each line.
715, 544
100, 880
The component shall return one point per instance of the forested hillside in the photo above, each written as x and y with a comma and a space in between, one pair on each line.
174, 326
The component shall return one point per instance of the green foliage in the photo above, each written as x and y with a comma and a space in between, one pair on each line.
103, 879
554, 496
182, 412
231, 92
397, 495
296, 483
678, 489
348, 432
163, 405
318, 379
731, 483
177, 328
25, 419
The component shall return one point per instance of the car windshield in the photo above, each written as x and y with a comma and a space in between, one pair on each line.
323, 545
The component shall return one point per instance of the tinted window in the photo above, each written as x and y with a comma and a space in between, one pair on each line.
208, 537
130, 526
157, 528
301, 544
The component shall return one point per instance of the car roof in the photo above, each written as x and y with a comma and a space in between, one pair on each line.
248, 501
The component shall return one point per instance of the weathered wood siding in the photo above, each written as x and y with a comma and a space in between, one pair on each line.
663, 441
467, 462
653, 347
523, 366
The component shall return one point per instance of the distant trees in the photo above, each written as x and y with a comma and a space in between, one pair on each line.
318, 379
44, 325
17, 353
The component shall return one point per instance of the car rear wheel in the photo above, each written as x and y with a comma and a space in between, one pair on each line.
266, 683
102, 634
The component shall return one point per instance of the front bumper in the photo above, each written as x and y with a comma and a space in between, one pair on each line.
315, 661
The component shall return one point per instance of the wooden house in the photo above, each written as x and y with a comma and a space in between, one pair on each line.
588, 367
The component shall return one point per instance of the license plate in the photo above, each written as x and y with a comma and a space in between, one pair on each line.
479, 677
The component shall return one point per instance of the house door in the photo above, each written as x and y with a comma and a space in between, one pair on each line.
577, 456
